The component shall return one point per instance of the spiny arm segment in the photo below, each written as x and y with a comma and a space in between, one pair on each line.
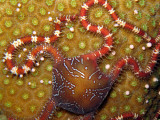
127, 116
157, 115
47, 112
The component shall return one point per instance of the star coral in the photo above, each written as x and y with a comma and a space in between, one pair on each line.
34, 93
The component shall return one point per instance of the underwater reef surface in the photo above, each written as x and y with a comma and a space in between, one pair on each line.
25, 97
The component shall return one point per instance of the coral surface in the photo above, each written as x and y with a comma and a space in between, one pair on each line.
24, 97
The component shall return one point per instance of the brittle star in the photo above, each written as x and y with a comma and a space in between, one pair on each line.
78, 84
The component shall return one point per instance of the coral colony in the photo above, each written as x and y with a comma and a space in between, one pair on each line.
79, 85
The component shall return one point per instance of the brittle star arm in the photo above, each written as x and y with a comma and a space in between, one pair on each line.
8, 58
31, 59
134, 116
47, 112
135, 65
115, 17
97, 29
157, 115
51, 106
127, 60
127, 116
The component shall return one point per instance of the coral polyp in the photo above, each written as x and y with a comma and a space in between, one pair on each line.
86, 59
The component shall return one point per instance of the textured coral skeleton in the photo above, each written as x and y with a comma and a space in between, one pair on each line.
67, 72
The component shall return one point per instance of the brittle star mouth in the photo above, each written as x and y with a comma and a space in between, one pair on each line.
78, 85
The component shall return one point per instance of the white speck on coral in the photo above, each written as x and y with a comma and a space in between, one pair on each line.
34, 32
149, 44
107, 66
71, 29
19, 5
20, 75
37, 64
131, 46
50, 19
143, 48
147, 101
146, 86
127, 92
42, 58
19, 55
24, 49
33, 70
29, 83
114, 53
17, 9
5, 68
41, 81
135, 12
49, 82
155, 79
